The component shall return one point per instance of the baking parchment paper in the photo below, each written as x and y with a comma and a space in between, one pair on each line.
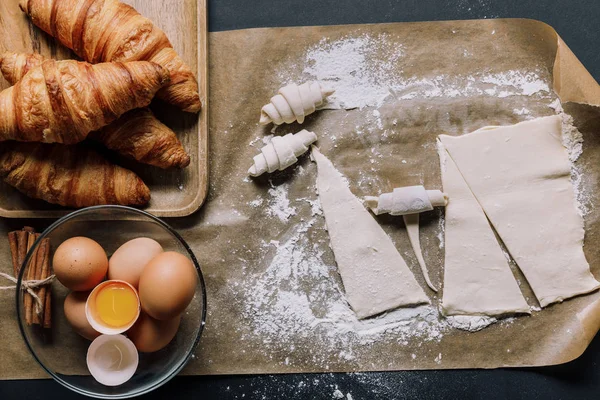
377, 148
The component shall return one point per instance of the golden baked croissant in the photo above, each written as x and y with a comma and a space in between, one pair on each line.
63, 101
108, 30
15, 65
72, 176
137, 134
140, 135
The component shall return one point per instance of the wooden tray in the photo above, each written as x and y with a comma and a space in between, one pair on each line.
175, 193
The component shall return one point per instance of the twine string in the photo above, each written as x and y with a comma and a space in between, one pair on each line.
29, 286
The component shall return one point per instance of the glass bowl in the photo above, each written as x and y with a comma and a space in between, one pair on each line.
62, 352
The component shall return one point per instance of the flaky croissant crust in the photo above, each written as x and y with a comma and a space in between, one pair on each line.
63, 101
71, 176
137, 134
108, 30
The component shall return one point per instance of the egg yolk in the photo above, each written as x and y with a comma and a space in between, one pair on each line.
116, 305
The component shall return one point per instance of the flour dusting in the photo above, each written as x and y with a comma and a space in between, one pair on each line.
279, 203
361, 78
470, 323
572, 139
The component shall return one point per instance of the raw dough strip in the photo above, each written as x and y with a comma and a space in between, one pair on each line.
282, 152
520, 175
477, 277
409, 202
293, 103
412, 228
375, 276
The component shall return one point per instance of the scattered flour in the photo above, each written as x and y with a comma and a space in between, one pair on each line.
521, 111
470, 323
361, 78
348, 65
279, 203
573, 141
256, 203
299, 296
441, 236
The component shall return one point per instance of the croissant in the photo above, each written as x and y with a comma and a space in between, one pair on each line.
71, 176
15, 65
63, 101
293, 103
406, 200
282, 152
137, 134
108, 30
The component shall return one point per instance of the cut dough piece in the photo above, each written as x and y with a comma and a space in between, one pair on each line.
409, 201
520, 176
282, 152
375, 276
412, 228
477, 277
293, 103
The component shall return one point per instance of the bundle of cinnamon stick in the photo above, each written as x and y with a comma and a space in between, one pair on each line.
39, 269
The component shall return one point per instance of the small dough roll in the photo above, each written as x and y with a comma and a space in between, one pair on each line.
282, 152
407, 200
293, 103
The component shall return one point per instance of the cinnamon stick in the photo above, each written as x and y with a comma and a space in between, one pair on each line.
31, 272
14, 250
48, 309
41, 264
22, 249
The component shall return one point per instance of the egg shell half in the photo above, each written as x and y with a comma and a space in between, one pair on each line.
167, 285
94, 319
74, 308
80, 263
112, 359
128, 262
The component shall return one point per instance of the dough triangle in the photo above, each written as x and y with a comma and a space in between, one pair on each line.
520, 175
375, 276
477, 277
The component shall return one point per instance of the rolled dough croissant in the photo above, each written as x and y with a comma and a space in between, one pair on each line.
137, 134
282, 152
108, 30
72, 176
63, 101
293, 103
407, 200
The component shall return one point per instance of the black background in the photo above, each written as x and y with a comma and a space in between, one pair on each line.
577, 21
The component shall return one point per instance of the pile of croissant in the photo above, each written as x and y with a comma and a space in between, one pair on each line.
53, 105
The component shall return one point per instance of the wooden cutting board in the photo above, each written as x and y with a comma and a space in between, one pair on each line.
175, 193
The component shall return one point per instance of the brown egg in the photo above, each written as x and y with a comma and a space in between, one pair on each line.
150, 335
80, 263
128, 262
167, 285
75, 313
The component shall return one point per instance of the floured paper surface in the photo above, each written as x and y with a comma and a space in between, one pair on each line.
275, 299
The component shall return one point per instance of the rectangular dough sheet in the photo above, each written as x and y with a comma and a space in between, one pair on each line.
477, 277
520, 175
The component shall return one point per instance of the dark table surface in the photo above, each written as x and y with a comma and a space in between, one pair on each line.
577, 23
